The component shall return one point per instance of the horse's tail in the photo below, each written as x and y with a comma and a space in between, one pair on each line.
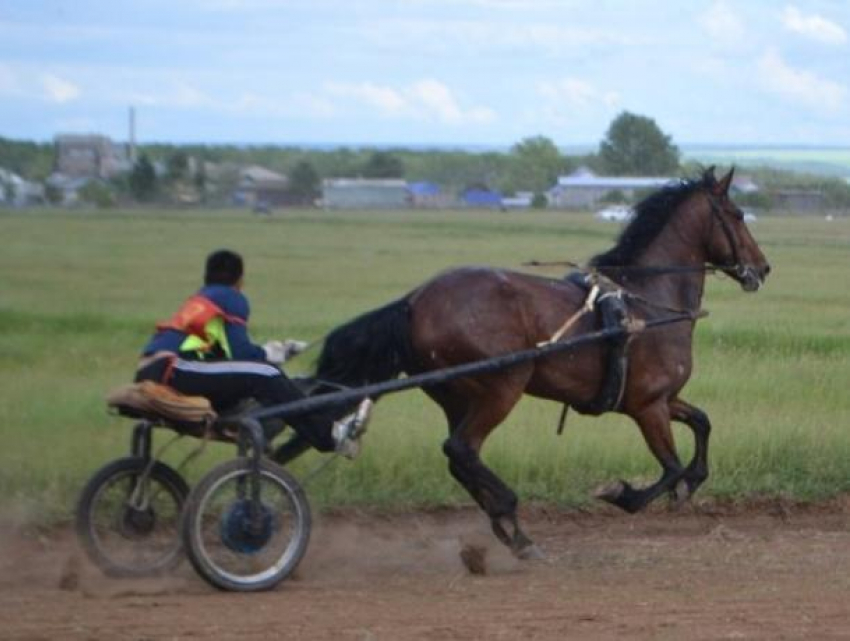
372, 348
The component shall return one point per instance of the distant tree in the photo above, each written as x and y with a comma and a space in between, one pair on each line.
304, 182
836, 193
177, 166
614, 196
536, 163
383, 164
8, 190
200, 180
636, 146
143, 180
53, 194
759, 200
33, 161
98, 194
539, 201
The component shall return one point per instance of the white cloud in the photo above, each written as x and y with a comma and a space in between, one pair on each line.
435, 98
385, 99
803, 87
59, 90
425, 100
571, 103
813, 26
183, 94
177, 93
722, 24
577, 94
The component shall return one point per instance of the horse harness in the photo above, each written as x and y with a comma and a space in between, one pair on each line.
607, 301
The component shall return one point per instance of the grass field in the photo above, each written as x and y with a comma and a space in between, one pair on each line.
79, 292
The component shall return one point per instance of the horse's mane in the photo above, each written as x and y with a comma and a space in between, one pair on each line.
651, 216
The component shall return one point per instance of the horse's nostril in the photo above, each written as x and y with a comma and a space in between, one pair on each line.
766, 269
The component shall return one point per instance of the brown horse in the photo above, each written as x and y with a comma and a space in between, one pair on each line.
471, 313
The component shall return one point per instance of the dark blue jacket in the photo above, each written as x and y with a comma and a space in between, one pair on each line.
233, 303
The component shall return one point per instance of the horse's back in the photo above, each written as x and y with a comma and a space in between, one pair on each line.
474, 312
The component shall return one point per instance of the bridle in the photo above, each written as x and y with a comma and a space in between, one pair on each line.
736, 266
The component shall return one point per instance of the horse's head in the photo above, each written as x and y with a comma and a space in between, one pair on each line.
729, 243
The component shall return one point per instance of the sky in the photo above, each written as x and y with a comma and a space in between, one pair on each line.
426, 72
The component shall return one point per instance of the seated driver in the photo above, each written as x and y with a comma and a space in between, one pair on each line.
204, 350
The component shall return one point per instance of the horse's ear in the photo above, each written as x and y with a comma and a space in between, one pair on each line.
708, 175
722, 186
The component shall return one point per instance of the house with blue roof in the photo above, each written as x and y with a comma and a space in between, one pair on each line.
426, 194
481, 197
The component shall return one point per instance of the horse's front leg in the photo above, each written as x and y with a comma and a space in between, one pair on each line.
654, 423
697, 471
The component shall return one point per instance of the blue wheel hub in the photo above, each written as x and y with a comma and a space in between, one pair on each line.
246, 527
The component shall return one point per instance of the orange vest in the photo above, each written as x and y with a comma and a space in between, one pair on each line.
194, 315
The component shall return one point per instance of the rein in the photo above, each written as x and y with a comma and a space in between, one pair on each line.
629, 269
650, 270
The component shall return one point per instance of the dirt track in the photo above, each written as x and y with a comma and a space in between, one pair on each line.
769, 572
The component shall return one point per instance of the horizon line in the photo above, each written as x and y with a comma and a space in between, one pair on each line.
433, 145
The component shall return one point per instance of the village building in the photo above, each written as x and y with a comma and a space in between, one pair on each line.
583, 189
428, 195
18, 192
481, 197
520, 200
262, 188
89, 156
799, 200
365, 193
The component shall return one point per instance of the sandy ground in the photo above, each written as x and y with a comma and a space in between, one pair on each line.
771, 571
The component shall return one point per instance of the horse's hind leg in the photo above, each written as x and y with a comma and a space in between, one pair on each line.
654, 423
468, 432
697, 471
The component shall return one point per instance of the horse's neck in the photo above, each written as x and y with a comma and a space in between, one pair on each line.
680, 289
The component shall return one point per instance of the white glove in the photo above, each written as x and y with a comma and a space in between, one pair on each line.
275, 352
293, 347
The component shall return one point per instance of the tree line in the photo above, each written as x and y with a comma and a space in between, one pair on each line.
633, 145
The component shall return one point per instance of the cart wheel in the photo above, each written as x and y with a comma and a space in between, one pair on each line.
128, 521
244, 544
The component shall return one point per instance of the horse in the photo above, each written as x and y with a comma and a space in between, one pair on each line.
658, 265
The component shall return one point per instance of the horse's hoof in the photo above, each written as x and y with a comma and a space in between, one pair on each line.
610, 492
530, 552
680, 494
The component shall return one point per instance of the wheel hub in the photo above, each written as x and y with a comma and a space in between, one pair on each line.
245, 527
137, 524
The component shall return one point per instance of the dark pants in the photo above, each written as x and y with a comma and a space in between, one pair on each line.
228, 383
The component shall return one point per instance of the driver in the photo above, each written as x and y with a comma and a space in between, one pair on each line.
204, 350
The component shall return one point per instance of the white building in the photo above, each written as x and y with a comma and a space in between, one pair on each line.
365, 193
17, 192
583, 189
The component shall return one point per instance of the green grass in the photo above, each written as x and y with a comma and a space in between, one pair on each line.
80, 291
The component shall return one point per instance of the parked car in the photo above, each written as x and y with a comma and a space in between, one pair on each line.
615, 213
